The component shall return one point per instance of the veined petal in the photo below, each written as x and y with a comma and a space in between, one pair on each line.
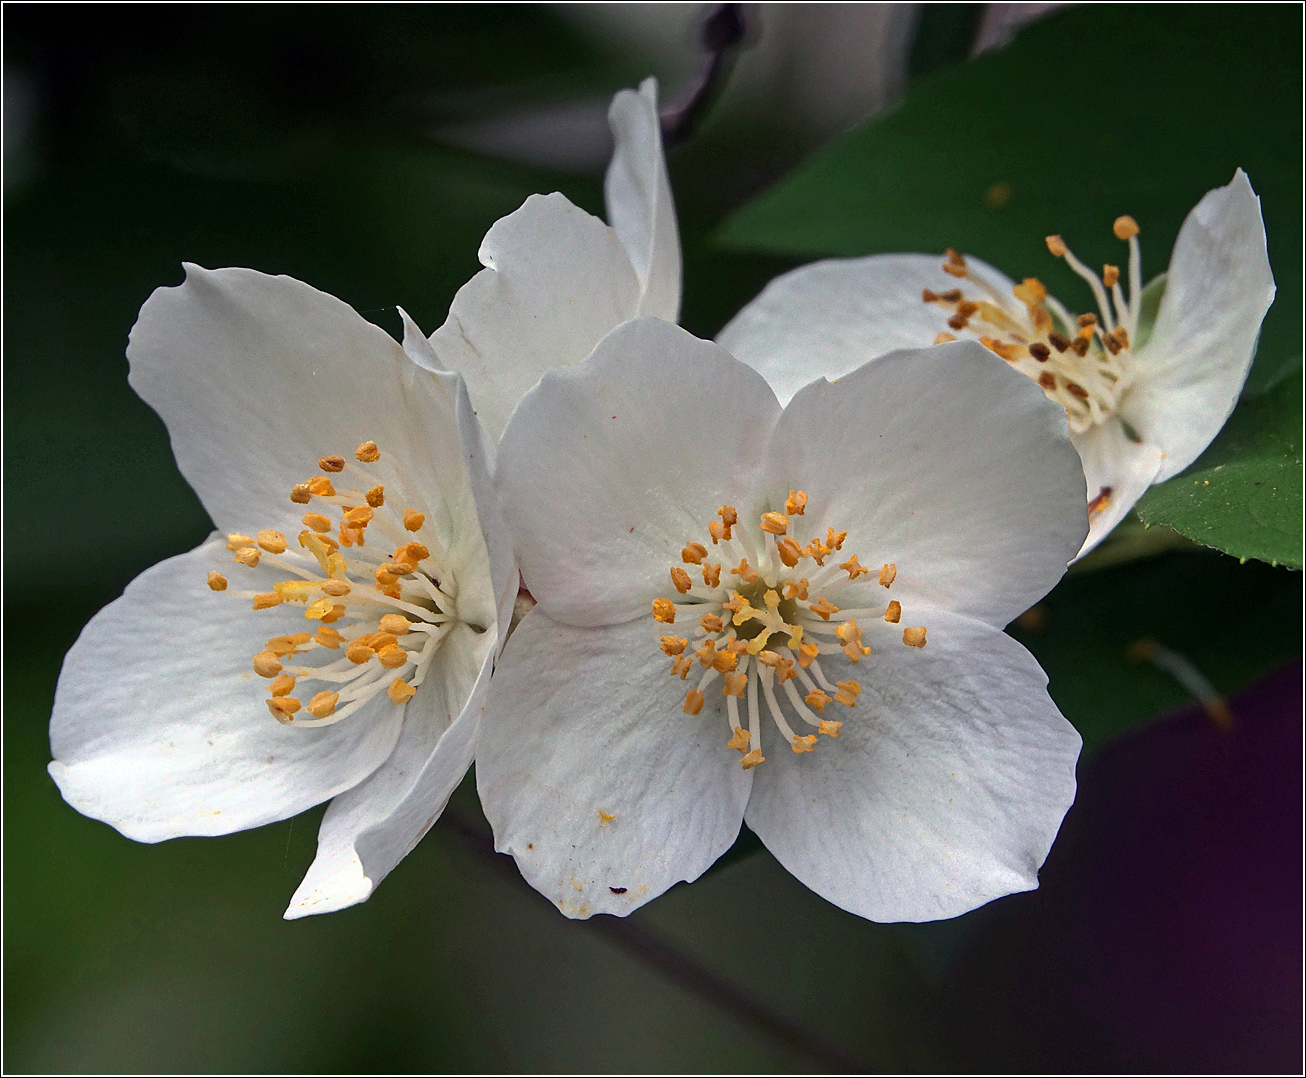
556, 280
640, 207
607, 469
946, 462
826, 319
945, 790
1218, 288
1118, 470
368, 830
593, 778
160, 727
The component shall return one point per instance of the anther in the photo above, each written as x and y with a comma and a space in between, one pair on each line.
789, 551
735, 684
266, 664
928, 297
952, 295
681, 665
745, 572
894, 613
266, 600
1125, 227
834, 540
248, 556
336, 588
318, 609
358, 653
796, 503
664, 610
824, 608
1057, 246
375, 497
217, 581
752, 760
956, 322
392, 657
300, 494
674, 645
1101, 501
283, 708
848, 693
332, 464
1059, 342
740, 741
400, 691
1048, 381
729, 517
359, 517
395, 624
236, 541
888, 573
1030, 291
328, 637
1086, 320
853, 568
1076, 390
829, 728
914, 638
711, 623
717, 531
693, 702
680, 579
775, 523
321, 487
806, 743
1040, 351
712, 575
807, 653
272, 541
796, 589
1110, 275
282, 685
706, 653
317, 522
944, 338
323, 704
693, 554
368, 453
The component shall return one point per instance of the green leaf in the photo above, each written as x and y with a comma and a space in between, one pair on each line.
1098, 110
1244, 494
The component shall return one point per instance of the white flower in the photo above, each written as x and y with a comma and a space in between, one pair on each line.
1143, 399
708, 647
377, 605
557, 278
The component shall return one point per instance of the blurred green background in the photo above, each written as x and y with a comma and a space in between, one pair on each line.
366, 151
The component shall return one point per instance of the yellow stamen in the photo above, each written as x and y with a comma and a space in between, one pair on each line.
848, 693
712, 575
217, 581
266, 664
829, 728
272, 541
395, 624
796, 503
317, 522
775, 523
266, 600
321, 608
400, 691
247, 556
674, 645
735, 685
368, 453
752, 760
392, 657
335, 587
943, 337
1031, 291
681, 665
712, 623
853, 568
323, 704
693, 702
789, 551
283, 708
300, 494
1125, 227
693, 554
664, 610
888, 573
804, 744
328, 637
375, 497
282, 685
796, 589
818, 699
332, 464
321, 487
914, 638
745, 572
1057, 246
1110, 275
894, 613
807, 653
680, 579
358, 653
824, 608
359, 517
740, 741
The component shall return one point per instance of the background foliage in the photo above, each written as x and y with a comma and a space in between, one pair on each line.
302, 140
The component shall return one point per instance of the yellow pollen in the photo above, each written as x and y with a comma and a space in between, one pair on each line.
804, 744
337, 612
282, 685
392, 657
359, 517
248, 556
272, 541
283, 708
295, 591
806, 653
236, 541
395, 624
1057, 246
718, 531
914, 638
368, 453
775, 523
413, 520
796, 589
848, 693
335, 587
332, 464
317, 522
816, 550
888, 572
266, 664
711, 623
894, 613
321, 487
266, 600
818, 699
1009, 352
943, 337
300, 494
829, 728
1110, 275
281, 646
680, 579
796, 503
725, 661
358, 653
735, 685
848, 631
824, 608
745, 572
712, 575
328, 637
789, 551
752, 760
693, 702
664, 610
737, 604
674, 645
681, 665
1031, 291
834, 540
375, 497
693, 554
400, 691
217, 581
740, 741
323, 704
605, 817
706, 653
853, 569
729, 517
1125, 227
319, 609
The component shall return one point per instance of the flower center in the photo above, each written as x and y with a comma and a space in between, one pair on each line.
764, 623
1082, 362
382, 618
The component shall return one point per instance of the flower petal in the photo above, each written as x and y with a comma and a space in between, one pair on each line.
368, 830
556, 280
826, 319
609, 468
1218, 288
258, 376
639, 200
946, 462
945, 790
1117, 468
159, 725
593, 778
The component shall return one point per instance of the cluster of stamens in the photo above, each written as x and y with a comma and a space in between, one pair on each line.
763, 619
381, 618
1083, 362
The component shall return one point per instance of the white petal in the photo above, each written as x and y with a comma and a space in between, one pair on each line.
160, 726
945, 790
258, 376
594, 779
1218, 288
1118, 466
640, 208
608, 469
946, 462
826, 319
556, 280
368, 830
